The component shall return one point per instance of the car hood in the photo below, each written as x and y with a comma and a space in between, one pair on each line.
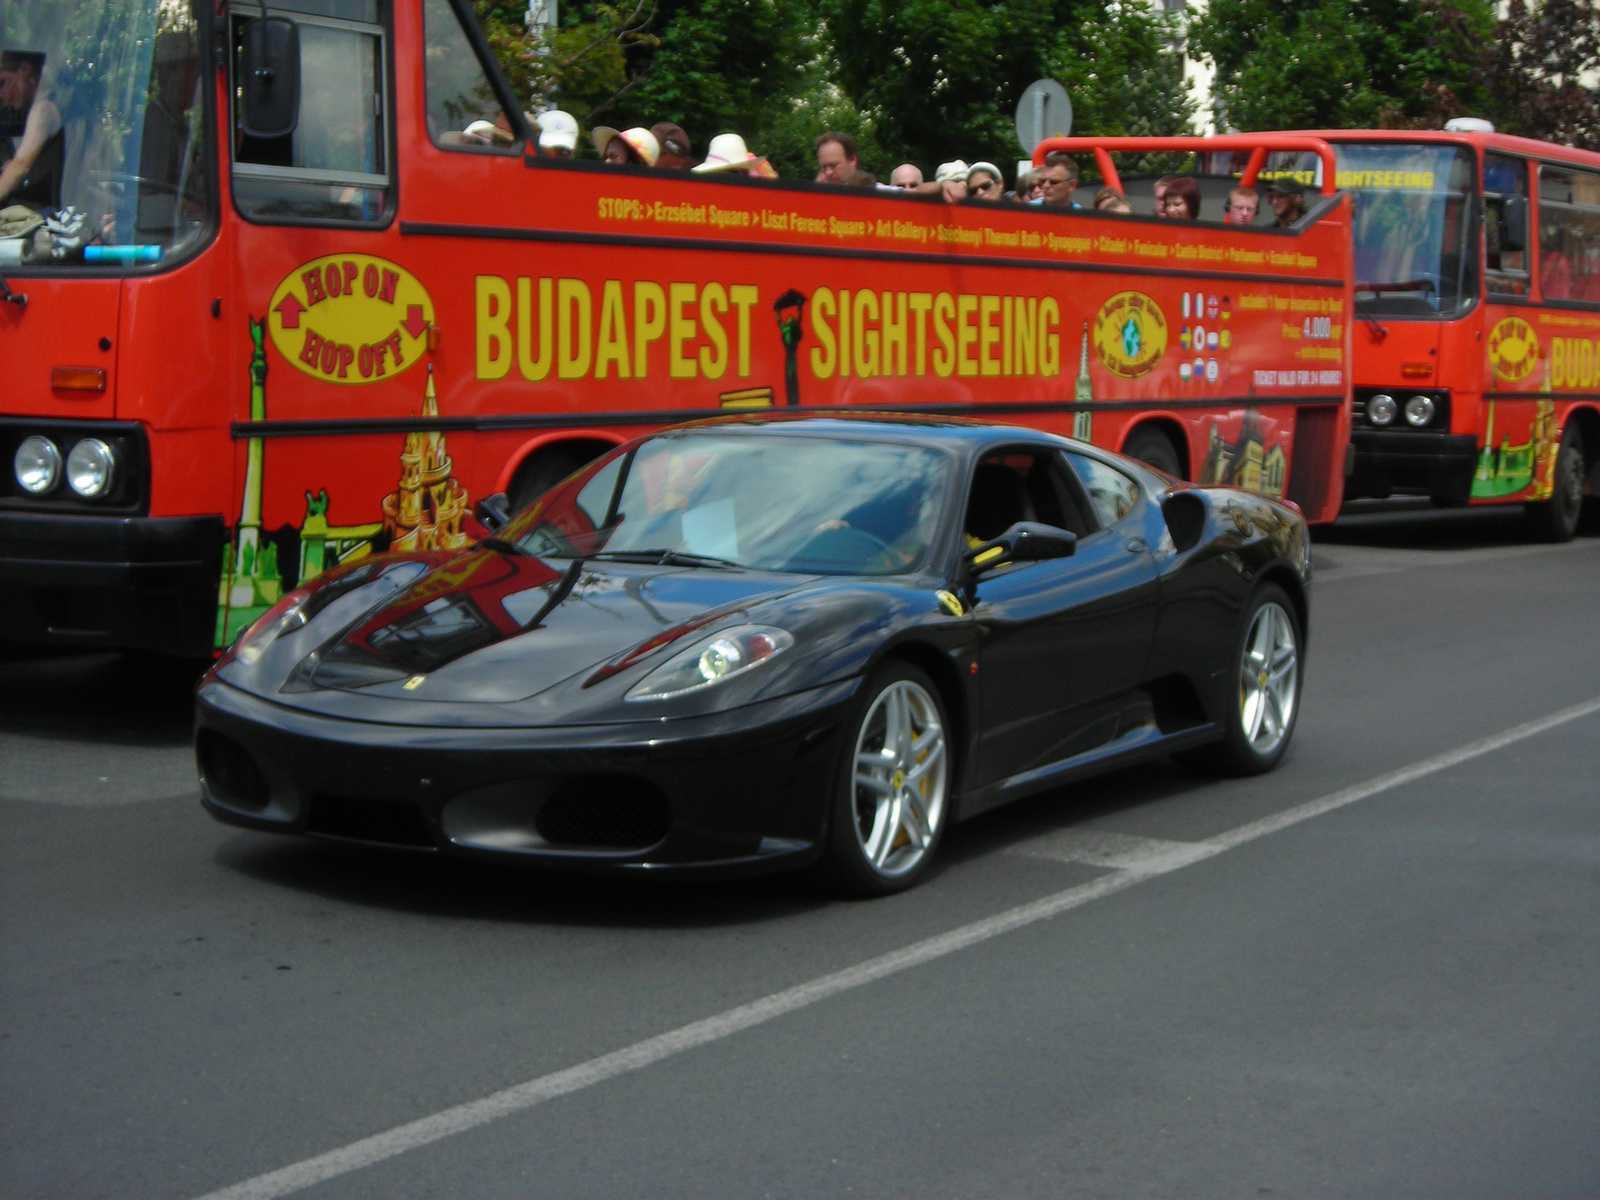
491, 638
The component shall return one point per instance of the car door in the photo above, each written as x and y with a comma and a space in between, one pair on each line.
1063, 642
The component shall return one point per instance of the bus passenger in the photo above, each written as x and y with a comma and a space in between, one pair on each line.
906, 175
729, 154
1058, 179
984, 182
1181, 201
676, 152
952, 180
1160, 192
558, 133
836, 157
1108, 199
1288, 200
631, 147
1243, 205
32, 175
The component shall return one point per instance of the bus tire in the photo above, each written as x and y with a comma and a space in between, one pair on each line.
1556, 519
543, 469
1154, 448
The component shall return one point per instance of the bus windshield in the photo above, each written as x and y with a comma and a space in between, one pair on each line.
101, 146
1414, 237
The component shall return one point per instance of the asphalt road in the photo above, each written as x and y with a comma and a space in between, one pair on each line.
1157, 985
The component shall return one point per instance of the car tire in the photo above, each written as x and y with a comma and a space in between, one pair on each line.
1556, 519
892, 793
1264, 701
1154, 448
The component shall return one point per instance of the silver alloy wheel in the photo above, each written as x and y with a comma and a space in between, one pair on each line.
1269, 671
900, 778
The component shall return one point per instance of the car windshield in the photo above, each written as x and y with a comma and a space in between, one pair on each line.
101, 152
1415, 254
807, 503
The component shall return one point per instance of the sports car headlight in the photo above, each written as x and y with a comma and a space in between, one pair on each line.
287, 614
713, 661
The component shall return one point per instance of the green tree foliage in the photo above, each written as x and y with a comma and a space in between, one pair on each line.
1534, 70
1293, 64
940, 79
582, 67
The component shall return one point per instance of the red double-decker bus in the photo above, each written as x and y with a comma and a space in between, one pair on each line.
276, 300
1477, 303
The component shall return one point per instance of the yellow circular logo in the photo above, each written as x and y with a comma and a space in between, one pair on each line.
1513, 349
350, 318
1130, 334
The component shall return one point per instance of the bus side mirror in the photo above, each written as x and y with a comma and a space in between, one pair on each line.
1514, 223
269, 77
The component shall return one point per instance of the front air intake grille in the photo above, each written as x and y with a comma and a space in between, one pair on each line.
610, 812
360, 819
231, 775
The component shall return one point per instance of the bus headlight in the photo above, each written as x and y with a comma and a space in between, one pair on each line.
1419, 410
89, 468
1382, 410
37, 464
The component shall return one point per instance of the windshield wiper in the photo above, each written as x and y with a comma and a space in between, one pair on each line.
502, 546
666, 558
1399, 285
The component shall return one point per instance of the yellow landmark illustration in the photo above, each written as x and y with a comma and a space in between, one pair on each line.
1505, 470
1245, 462
424, 512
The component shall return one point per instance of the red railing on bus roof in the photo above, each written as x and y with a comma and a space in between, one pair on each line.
1259, 145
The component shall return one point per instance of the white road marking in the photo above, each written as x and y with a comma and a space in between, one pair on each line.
1120, 851
1148, 859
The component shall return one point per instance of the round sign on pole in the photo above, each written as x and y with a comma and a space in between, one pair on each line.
1043, 112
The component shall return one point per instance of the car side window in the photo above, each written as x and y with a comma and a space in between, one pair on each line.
1111, 493
1023, 485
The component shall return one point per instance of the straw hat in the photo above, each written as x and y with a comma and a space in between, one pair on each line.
951, 172
642, 140
728, 152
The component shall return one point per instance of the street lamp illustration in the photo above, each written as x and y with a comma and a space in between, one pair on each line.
789, 306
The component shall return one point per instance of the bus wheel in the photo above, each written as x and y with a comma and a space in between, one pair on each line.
543, 470
1556, 519
1152, 446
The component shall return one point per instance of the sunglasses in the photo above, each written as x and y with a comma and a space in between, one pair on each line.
984, 187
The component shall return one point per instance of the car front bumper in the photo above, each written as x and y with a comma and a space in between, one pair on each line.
737, 792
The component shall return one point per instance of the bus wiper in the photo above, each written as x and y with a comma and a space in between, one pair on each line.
1399, 285
666, 558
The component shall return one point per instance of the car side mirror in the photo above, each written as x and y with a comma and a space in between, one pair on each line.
493, 512
1026, 541
269, 77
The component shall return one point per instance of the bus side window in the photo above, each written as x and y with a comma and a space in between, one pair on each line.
334, 166
463, 113
1505, 199
1569, 234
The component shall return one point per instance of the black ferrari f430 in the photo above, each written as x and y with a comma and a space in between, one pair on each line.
765, 643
